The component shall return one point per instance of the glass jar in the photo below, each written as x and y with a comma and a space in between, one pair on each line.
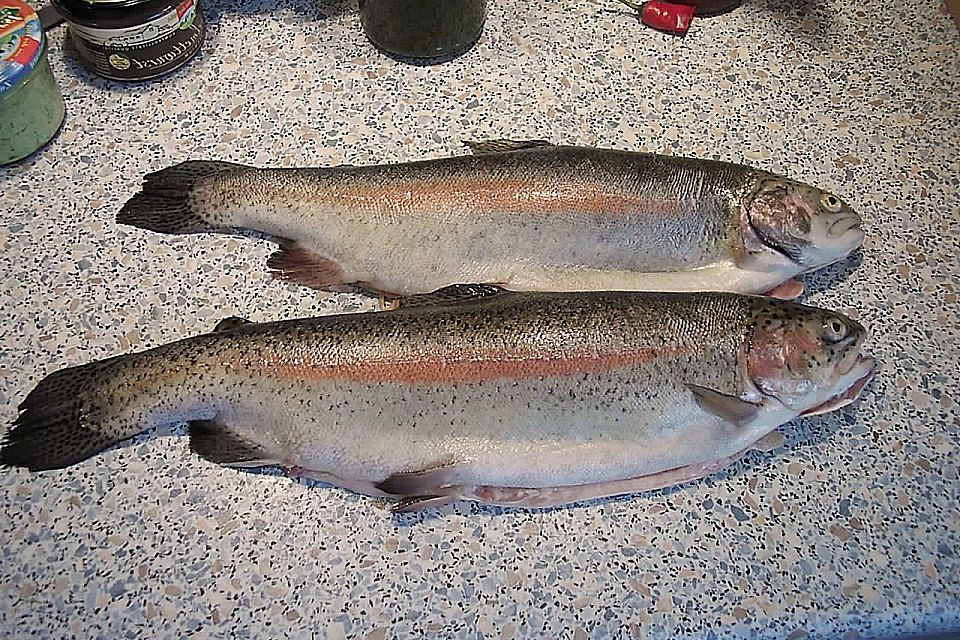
31, 107
424, 29
708, 8
134, 39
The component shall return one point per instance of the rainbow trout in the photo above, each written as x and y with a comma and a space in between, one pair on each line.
527, 216
518, 399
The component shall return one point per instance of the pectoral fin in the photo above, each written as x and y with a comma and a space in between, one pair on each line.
486, 147
730, 408
769, 442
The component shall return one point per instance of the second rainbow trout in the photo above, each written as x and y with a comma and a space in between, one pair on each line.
521, 215
518, 399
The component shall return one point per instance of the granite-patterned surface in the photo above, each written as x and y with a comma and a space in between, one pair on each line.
850, 530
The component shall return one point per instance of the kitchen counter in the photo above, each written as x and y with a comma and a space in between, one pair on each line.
850, 530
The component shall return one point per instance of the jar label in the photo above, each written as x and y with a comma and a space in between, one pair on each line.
21, 41
144, 51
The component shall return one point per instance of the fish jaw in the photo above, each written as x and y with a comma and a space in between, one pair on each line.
832, 251
856, 380
752, 253
833, 236
845, 391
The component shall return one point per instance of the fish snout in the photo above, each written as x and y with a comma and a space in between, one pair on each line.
860, 373
843, 234
843, 223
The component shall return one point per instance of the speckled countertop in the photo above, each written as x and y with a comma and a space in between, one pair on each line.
850, 530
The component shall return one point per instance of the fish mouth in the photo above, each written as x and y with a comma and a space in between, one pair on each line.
841, 227
864, 368
843, 238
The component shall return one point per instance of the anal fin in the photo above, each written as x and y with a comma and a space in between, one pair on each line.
215, 442
293, 263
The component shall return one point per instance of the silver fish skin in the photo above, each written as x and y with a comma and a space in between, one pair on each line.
525, 399
524, 216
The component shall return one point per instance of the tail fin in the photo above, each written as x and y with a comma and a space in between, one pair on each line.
57, 426
163, 204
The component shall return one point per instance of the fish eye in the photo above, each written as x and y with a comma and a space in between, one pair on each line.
834, 330
831, 203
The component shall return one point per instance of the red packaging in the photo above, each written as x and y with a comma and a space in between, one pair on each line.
666, 16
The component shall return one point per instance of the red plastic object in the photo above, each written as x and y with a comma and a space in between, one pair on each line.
666, 16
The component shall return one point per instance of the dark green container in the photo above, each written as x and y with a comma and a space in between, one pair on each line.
423, 29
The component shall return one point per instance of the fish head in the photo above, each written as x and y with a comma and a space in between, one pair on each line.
808, 359
807, 226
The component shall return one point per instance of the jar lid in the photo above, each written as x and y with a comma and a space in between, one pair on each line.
21, 42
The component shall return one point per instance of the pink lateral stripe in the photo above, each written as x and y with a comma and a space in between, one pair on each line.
470, 369
508, 195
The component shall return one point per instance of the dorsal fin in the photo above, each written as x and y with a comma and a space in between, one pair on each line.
487, 147
454, 294
231, 323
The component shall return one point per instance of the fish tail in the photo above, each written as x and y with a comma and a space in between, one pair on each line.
68, 417
164, 204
